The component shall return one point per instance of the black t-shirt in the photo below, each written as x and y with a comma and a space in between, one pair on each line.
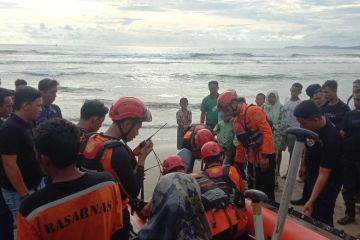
351, 127
326, 152
16, 139
335, 113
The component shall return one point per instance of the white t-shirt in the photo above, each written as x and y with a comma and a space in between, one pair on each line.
290, 108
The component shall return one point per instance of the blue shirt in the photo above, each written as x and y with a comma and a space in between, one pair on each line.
48, 112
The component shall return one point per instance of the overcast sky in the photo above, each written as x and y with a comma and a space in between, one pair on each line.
237, 23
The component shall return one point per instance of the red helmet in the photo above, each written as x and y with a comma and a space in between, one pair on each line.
171, 162
226, 98
211, 149
129, 107
203, 136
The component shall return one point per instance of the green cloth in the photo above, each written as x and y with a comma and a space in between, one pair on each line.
224, 133
208, 106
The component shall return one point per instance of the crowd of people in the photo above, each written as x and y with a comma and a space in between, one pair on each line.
60, 180
253, 138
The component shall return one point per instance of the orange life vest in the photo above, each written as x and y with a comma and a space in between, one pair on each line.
257, 133
96, 157
225, 211
189, 141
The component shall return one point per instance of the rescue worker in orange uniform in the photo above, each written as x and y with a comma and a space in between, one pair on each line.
194, 138
109, 151
254, 134
222, 190
173, 163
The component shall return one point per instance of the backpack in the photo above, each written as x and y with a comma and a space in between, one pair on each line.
212, 196
215, 199
223, 180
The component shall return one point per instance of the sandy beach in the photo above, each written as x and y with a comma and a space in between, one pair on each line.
164, 147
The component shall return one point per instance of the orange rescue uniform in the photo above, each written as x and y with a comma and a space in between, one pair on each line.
255, 120
226, 178
85, 208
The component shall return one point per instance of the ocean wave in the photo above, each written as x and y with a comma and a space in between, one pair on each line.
168, 105
295, 55
50, 52
250, 77
58, 74
78, 89
8, 51
228, 76
109, 102
206, 55
165, 95
350, 55
147, 125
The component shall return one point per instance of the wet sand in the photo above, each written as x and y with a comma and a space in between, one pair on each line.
164, 147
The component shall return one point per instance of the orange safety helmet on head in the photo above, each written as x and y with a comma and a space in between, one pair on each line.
211, 149
129, 107
171, 162
203, 136
226, 98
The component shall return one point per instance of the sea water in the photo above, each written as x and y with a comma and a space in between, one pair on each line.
162, 75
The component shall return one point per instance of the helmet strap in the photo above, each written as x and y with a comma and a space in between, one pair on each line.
234, 110
124, 134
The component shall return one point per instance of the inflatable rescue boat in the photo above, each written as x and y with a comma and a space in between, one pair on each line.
297, 226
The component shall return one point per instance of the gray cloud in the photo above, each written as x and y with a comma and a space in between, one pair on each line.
128, 21
8, 5
267, 23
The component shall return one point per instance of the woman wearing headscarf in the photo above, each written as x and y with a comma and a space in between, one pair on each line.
276, 114
176, 211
